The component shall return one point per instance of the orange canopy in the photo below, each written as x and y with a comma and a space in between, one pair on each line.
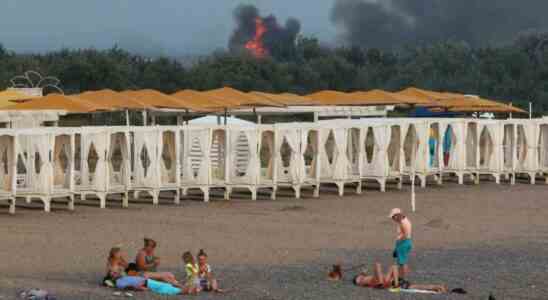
379, 97
157, 99
192, 97
233, 98
112, 99
328, 97
56, 101
285, 99
496, 109
423, 97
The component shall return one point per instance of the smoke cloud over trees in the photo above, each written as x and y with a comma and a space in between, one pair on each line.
394, 23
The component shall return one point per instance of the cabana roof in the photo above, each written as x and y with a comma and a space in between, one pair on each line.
9, 97
234, 98
157, 99
496, 109
329, 97
286, 99
113, 99
206, 102
70, 104
380, 97
423, 97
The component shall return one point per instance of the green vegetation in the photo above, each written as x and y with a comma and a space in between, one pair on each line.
517, 72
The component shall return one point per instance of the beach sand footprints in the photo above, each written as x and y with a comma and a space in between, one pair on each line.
437, 223
293, 208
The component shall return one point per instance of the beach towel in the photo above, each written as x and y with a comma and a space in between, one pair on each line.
411, 291
162, 288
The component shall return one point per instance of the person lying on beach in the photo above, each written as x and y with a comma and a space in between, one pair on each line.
205, 275
116, 272
117, 266
192, 271
378, 280
122, 280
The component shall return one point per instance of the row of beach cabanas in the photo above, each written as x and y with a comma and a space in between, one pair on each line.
226, 98
56, 163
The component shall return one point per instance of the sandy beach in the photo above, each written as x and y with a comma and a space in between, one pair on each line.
485, 239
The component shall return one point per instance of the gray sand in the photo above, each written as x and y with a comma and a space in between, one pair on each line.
485, 238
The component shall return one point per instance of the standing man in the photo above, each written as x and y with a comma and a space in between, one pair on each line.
403, 241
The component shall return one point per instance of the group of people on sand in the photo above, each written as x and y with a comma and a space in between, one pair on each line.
143, 274
395, 277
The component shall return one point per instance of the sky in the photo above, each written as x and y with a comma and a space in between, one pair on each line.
169, 27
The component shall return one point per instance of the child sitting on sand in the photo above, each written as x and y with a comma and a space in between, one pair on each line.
192, 270
207, 280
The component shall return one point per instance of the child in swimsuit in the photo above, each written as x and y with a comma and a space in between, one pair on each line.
192, 270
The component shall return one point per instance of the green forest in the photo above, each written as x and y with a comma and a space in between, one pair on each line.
516, 72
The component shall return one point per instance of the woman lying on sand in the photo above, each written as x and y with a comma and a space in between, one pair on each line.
391, 280
117, 267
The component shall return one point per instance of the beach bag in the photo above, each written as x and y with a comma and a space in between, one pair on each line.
36, 294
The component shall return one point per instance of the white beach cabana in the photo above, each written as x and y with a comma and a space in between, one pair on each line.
104, 169
381, 151
155, 161
339, 150
8, 167
542, 125
45, 159
196, 159
297, 155
527, 144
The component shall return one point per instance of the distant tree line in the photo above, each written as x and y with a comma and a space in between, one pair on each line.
517, 72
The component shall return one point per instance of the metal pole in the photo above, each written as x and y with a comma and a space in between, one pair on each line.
127, 117
530, 110
218, 120
413, 203
510, 116
259, 119
226, 115
144, 117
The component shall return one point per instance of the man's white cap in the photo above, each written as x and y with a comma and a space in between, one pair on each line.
394, 212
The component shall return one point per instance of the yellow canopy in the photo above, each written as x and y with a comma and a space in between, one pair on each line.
9, 97
112, 99
157, 99
233, 98
195, 98
56, 101
285, 99
494, 109
328, 97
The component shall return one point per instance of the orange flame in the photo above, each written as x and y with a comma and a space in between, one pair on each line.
256, 45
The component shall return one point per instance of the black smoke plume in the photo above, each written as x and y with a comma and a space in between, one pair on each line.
393, 23
279, 40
